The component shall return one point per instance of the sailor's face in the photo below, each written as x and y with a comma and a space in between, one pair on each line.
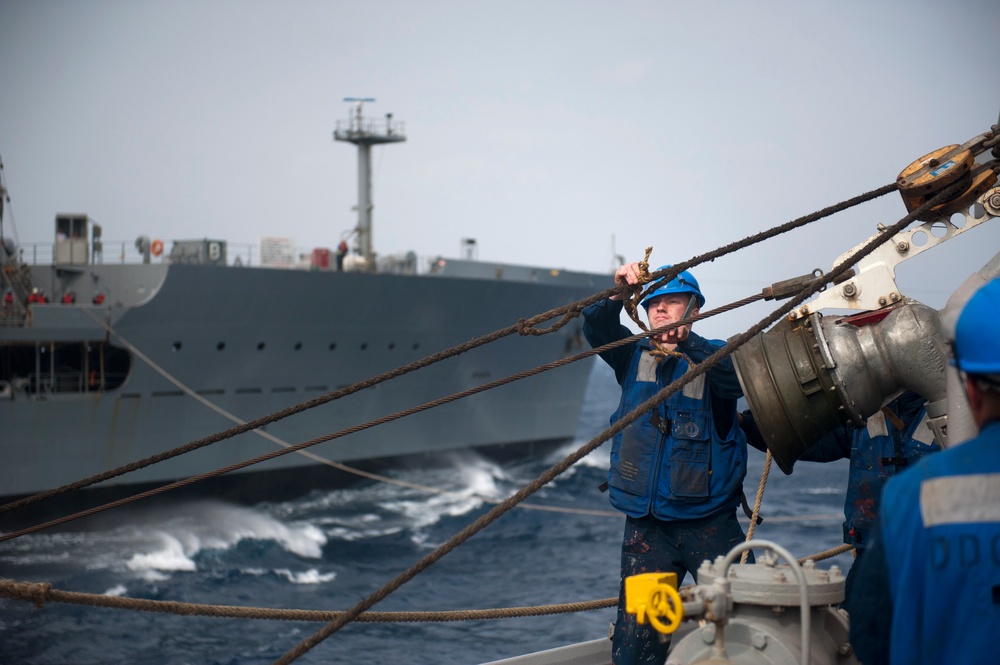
666, 309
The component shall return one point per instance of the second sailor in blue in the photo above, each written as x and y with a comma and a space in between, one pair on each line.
677, 472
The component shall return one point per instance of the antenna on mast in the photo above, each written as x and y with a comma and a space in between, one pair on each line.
365, 133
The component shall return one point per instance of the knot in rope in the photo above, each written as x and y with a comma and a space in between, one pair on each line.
34, 592
569, 312
634, 298
633, 295
660, 352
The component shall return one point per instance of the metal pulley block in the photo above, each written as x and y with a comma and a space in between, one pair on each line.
919, 182
935, 170
873, 284
973, 185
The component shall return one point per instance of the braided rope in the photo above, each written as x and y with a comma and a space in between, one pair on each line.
840, 549
40, 593
756, 504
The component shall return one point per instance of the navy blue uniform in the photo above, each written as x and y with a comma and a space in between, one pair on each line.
878, 451
676, 473
940, 526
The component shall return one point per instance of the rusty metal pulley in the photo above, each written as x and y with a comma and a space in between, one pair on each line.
953, 164
935, 170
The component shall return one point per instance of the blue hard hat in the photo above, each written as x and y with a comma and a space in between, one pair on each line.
684, 282
977, 333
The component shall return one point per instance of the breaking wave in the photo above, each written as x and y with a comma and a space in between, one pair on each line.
152, 543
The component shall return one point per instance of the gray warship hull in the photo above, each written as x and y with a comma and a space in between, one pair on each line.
194, 347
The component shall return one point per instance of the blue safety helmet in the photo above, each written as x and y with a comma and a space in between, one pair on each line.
977, 333
684, 282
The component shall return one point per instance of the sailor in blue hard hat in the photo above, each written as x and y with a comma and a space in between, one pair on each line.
677, 469
977, 335
684, 282
669, 303
929, 589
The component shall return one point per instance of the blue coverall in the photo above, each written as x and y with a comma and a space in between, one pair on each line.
940, 527
877, 452
676, 473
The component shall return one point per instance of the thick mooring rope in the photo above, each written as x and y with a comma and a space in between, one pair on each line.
39, 593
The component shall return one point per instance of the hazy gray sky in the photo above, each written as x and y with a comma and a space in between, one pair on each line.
543, 129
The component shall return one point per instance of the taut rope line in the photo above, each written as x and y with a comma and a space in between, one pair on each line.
39, 593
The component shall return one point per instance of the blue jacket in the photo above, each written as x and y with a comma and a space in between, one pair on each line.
686, 459
930, 584
877, 452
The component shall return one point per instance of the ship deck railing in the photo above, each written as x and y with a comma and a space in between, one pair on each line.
237, 255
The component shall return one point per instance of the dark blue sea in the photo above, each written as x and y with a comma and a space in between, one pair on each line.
329, 549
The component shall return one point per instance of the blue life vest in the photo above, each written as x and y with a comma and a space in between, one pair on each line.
671, 463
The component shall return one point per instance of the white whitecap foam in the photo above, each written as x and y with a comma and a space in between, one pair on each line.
382, 509
823, 491
311, 576
155, 542
218, 526
225, 525
599, 458
170, 556
477, 480
351, 534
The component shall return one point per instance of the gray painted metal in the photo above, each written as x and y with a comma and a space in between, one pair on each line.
254, 341
771, 585
364, 134
595, 652
757, 623
961, 426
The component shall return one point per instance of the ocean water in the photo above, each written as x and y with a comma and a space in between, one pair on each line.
329, 549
